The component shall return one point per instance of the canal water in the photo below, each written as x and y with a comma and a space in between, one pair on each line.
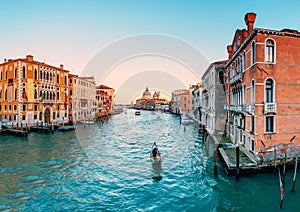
107, 167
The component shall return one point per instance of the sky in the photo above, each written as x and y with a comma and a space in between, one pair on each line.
76, 32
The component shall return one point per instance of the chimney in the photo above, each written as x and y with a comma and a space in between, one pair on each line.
61, 66
230, 51
250, 19
29, 57
5, 60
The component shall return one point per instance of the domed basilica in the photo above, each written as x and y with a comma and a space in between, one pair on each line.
149, 102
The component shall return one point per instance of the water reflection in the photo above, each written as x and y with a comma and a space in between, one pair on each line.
157, 170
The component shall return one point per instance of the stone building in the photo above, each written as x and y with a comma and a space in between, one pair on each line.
84, 103
213, 115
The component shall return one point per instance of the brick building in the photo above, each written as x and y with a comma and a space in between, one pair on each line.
263, 87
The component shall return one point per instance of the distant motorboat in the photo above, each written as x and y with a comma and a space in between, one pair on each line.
137, 113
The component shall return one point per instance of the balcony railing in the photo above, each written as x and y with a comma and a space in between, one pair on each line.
240, 108
270, 108
238, 77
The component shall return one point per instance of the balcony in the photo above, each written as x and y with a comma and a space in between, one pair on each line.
270, 108
240, 108
236, 78
250, 108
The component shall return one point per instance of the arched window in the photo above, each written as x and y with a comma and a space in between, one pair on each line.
15, 72
65, 80
41, 74
35, 94
0, 94
24, 72
270, 51
269, 90
253, 53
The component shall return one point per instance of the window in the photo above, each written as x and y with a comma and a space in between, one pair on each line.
57, 78
35, 107
253, 53
252, 92
23, 118
15, 72
41, 74
269, 91
16, 93
35, 74
65, 80
270, 51
15, 107
24, 107
252, 124
270, 128
244, 60
252, 144
24, 72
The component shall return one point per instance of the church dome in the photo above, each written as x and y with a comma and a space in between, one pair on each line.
147, 94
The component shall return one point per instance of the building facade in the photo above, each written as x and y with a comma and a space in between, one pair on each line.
104, 100
213, 115
263, 87
32, 91
84, 106
197, 102
180, 101
72, 83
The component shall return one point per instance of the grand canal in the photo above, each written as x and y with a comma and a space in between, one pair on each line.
107, 167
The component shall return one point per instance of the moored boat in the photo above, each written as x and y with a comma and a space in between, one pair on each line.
137, 113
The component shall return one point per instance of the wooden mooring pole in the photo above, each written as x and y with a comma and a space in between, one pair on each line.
275, 160
280, 189
295, 173
237, 151
284, 166
216, 160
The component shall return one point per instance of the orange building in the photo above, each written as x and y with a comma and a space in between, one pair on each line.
72, 85
263, 87
32, 91
104, 99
